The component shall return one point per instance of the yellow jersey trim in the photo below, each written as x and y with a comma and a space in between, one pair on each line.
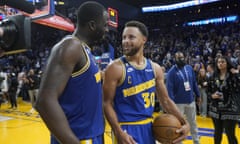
86, 66
123, 73
88, 141
154, 70
140, 67
141, 122
98, 76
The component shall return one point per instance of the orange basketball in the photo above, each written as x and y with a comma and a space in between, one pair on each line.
164, 128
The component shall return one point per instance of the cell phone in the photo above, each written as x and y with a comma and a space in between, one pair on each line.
220, 94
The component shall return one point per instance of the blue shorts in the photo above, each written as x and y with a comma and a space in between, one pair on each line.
141, 133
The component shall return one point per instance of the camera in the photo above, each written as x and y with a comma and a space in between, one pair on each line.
15, 33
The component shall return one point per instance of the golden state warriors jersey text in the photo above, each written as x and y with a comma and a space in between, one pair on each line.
135, 96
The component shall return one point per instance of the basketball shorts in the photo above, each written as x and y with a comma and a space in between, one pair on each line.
141, 133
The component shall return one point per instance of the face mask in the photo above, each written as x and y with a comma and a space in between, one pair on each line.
180, 63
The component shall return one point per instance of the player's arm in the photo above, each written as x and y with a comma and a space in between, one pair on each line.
61, 63
168, 105
113, 75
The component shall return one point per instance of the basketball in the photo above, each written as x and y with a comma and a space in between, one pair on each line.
164, 128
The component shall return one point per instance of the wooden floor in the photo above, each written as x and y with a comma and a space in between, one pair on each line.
22, 127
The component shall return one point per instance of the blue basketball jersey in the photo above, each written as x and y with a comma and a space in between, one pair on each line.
135, 96
81, 100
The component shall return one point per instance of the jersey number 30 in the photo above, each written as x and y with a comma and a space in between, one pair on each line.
149, 99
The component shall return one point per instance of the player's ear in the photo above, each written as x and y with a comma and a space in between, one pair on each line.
92, 25
144, 39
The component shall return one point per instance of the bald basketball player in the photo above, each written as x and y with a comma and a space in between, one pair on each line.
70, 95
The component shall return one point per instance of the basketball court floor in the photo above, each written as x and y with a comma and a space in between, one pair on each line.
21, 127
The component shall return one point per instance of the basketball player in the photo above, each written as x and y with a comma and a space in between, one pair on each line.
70, 95
129, 87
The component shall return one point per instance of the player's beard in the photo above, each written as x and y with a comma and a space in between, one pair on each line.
98, 36
131, 52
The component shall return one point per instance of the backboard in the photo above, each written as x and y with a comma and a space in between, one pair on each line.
44, 8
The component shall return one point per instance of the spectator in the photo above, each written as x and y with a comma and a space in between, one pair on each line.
182, 85
202, 84
13, 84
33, 86
4, 85
224, 103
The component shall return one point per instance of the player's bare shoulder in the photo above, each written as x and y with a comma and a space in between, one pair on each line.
115, 65
68, 47
70, 43
156, 66
115, 68
158, 70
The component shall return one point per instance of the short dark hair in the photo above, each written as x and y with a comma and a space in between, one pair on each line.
88, 11
141, 26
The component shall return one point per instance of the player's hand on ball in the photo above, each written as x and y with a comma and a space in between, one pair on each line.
184, 130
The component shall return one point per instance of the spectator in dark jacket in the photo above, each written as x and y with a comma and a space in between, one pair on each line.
224, 100
182, 85
13, 84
